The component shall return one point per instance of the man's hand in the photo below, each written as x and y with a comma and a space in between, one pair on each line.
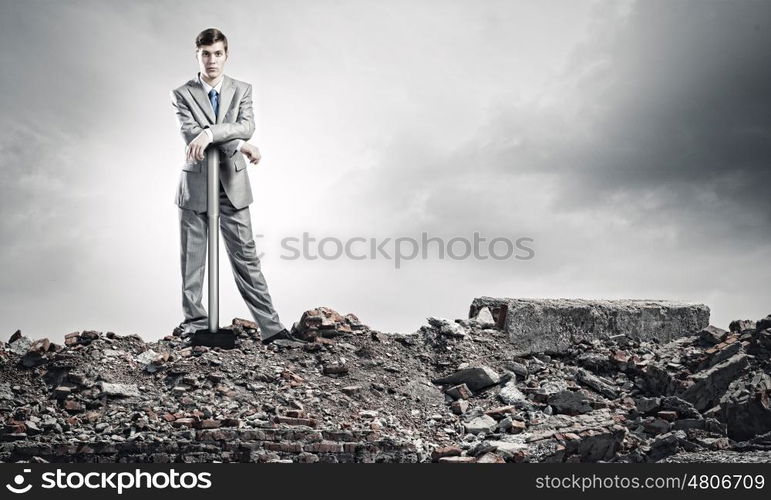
251, 152
195, 150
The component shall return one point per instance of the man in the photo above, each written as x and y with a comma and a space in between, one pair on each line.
215, 110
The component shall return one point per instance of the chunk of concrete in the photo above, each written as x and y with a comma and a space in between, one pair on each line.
745, 406
484, 318
480, 424
552, 325
569, 403
475, 377
120, 390
511, 395
710, 385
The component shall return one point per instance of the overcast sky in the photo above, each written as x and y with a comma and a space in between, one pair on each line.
630, 140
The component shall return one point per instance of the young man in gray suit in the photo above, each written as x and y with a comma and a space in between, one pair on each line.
215, 110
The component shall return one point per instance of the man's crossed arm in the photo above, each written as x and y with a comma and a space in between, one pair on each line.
230, 137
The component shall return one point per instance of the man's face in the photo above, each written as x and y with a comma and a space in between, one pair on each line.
211, 59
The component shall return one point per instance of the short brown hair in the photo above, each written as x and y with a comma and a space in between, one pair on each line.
211, 36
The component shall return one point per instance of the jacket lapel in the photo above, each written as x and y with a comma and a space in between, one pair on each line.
226, 96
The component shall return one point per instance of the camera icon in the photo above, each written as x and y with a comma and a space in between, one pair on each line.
18, 481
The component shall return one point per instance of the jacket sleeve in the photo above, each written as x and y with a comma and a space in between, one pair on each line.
190, 129
231, 147
187, 124
243, 128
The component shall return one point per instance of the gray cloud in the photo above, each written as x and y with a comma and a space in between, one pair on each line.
669, 109
684, 110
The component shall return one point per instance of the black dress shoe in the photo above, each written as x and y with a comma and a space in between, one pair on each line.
283, 334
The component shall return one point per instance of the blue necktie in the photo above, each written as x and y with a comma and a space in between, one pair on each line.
215, 102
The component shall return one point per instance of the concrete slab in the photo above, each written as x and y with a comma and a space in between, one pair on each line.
551, 325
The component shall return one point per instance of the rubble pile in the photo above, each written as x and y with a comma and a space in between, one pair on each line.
449, 392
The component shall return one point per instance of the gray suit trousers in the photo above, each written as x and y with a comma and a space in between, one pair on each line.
236, 230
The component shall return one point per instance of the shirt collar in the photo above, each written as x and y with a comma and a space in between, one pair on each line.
208, 87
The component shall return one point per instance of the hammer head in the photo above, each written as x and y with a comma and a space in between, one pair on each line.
224, 338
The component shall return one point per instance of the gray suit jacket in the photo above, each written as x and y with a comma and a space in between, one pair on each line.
235, 121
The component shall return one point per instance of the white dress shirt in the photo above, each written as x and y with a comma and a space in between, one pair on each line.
207, 89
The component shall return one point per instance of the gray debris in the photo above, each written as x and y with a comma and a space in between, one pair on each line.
119, 390
475, 378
